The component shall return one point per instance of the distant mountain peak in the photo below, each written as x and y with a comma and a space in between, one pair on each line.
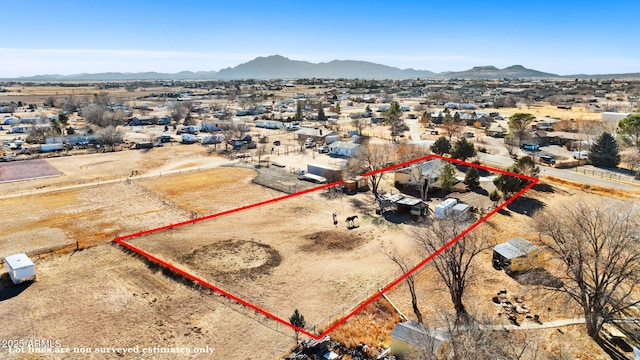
281, 67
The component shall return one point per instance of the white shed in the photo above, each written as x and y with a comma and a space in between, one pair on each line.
444, 208
20, 268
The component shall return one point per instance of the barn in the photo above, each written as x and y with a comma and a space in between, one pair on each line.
20, 268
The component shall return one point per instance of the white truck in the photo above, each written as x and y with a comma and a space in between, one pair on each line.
580, 155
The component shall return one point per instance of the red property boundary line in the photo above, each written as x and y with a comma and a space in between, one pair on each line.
121, 240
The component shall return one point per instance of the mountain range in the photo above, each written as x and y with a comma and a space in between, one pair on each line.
280, 67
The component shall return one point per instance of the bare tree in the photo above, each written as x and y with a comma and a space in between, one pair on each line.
369, 159
112, 118
110, 136
177, 113
598, 246
93, 113
359, 124
453, 261
410, 280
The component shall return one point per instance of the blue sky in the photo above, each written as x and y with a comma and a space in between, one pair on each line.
563, 37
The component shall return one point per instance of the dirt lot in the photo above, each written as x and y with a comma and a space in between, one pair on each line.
287, 255
120, 289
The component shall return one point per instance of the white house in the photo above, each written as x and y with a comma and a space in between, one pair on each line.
20, 268
342, 148
419, 174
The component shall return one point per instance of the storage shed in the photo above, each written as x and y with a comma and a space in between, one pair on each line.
411, 205
515, 255
20, 268
410, 339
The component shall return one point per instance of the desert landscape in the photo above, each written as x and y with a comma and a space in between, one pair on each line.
92, 295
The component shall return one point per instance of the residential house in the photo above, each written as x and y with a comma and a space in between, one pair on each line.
418, 174
496, 130
342, 148
316, 135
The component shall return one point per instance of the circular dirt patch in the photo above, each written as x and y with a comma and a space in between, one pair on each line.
231, 260
335, 240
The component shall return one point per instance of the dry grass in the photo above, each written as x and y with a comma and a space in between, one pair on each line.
371, 326
594, 189
577, 113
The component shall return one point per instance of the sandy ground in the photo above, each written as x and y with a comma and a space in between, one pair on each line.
277, 254
287, 255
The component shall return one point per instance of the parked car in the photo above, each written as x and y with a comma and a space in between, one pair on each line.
276, 143
531, 147
547, 159
324, 149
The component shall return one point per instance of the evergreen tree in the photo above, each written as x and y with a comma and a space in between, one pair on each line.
629, 130
298, 110
494, 196
509, 184
605, 151
528, 167
298, 321
441, 146
463, 150
472, 178
447, 177
321, 116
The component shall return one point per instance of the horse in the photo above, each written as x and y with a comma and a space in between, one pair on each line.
350, 221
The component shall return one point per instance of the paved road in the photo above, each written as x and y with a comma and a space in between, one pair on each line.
566, 174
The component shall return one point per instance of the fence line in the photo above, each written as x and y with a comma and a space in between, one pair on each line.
601, 174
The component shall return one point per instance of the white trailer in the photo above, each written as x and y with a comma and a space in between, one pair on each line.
51, 147
444, 208
20, 268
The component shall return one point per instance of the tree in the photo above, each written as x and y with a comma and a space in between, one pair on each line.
629, 130
109, 136
321, 115
463, 150
519, 124
449, 125
472, 178
369, 158
50, 101
441, 146
494, 196
604, 152
338, 108
358, 123
298, 110
176, 113
93, 113
453, 264
598, 245
509, 184
447, 177
528, 167
410, 280
298, 321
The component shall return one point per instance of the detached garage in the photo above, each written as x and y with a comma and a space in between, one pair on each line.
20, 268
